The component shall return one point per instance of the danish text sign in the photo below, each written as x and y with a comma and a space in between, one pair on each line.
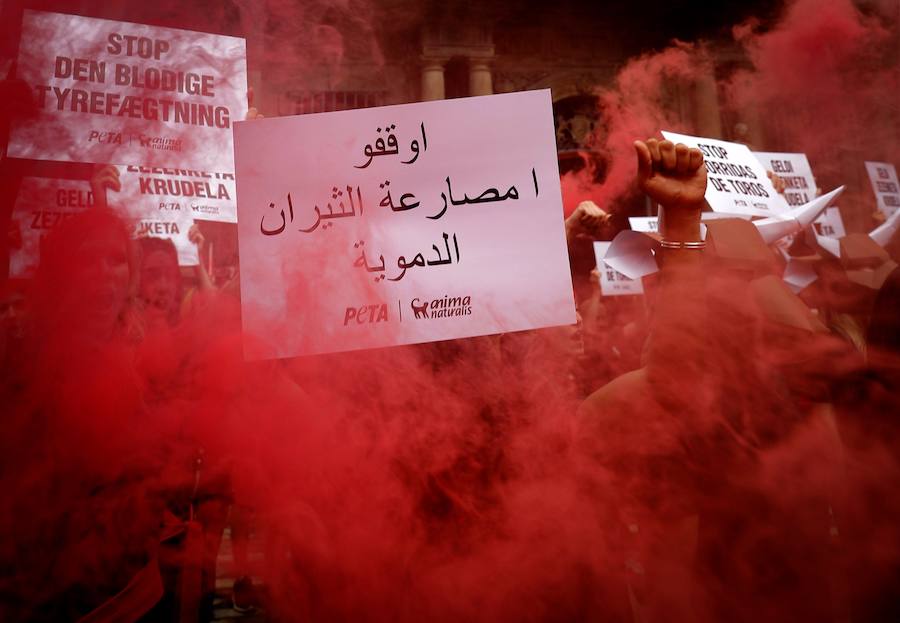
117, 92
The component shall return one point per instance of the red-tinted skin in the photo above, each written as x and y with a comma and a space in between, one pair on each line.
159, 287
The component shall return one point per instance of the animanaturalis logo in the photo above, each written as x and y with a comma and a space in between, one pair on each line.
445, 307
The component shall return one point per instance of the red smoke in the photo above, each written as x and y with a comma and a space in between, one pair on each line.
822, 73
638, 104
820, 78
467, 480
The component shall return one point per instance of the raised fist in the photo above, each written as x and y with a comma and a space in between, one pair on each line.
104, 176
588, 219
196, 236
252, 111
672, 175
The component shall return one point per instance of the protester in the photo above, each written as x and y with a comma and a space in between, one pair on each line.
710, 454
711, 450
884, 327
80, 305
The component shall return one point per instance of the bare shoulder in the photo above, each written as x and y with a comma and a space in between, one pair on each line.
621, 392
624, 417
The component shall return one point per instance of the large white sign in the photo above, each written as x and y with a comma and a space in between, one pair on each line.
738, 183
116, 92
400, 225
883, 177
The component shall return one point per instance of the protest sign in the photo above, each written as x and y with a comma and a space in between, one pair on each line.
799, 183
154, 215
44, 203
400, 225
883, 177
737, 183
800, 189
203, 195
41, 205
612, 282
117, 92
632, 253
830, 224
650, 224
646, 224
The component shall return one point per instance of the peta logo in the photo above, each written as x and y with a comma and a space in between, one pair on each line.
444, 307
107, 138
366, 314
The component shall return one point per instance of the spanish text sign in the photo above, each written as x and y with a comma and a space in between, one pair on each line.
737, 183
612, 282
400, 225
116, 92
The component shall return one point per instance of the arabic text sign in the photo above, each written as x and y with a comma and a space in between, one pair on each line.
737, 184
883, 177
116, 92
400, 225
612, 282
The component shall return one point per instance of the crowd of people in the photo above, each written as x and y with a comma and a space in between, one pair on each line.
720, 448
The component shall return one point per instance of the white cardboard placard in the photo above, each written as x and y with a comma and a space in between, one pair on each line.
883, 177
399, 225
116, 92
612, 282
737, 182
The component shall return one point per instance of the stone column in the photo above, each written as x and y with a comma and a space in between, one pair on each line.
480, 81
432, 79
707, 114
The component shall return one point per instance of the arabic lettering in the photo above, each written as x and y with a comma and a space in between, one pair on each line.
403, 264
390, 147
488, 196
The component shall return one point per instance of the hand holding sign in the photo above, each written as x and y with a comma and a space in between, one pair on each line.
196, 237
777, 182
252, 111
105, 176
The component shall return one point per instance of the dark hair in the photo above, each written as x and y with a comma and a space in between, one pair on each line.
884, 327
148, 245
62, 247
